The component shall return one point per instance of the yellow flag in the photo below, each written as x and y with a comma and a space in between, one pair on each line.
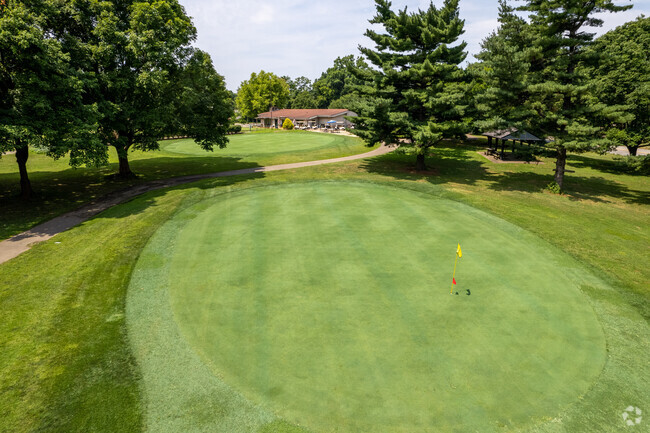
459, 251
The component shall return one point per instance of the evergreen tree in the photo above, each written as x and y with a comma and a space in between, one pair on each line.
559, 100
502, 72
416, 92
622, 77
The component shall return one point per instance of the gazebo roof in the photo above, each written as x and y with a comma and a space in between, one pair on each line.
512, 134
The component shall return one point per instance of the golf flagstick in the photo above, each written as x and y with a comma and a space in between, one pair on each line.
459, 254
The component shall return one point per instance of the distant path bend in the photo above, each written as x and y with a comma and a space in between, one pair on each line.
20, 243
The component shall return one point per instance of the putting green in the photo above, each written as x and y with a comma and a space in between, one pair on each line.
327, 304
270, 143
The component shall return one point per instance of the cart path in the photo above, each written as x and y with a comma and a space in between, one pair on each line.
20, 243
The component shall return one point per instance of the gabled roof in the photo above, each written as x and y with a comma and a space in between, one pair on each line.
302, 113
512, 134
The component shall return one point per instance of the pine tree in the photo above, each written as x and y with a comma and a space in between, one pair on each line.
560, 103
622, 77
416, 92
502, 71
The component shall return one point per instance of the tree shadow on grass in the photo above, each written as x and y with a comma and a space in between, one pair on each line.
445, 165
602, 165
595, 189
60, 192
457, 164
143, 200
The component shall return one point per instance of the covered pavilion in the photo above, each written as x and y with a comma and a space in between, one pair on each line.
509, 134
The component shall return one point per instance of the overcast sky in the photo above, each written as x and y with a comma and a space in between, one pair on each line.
302, 38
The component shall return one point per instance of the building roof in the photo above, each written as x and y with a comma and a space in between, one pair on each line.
512, 134
302, 114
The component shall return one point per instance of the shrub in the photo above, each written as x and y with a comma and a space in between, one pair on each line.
634, 164
287, 124
234, 129
554, 188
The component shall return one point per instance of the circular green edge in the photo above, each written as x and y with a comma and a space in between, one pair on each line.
185, 388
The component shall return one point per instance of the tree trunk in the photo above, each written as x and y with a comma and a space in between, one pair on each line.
123, 157
22, 154
632, 150
419, 163
560, 166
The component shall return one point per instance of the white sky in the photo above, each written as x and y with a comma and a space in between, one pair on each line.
302, 38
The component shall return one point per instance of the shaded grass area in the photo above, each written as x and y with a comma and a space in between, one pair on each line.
60, 189
64, 367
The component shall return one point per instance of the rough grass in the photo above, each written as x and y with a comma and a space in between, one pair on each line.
65, 364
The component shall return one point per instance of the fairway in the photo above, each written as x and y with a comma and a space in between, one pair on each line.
328, 305
271, 143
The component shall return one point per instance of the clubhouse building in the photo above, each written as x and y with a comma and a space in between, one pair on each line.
310, 118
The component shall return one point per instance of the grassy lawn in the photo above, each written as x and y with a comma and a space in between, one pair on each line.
60, 188
67, 363
347, 323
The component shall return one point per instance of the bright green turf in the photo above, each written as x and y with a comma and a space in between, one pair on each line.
328, 304
295, 143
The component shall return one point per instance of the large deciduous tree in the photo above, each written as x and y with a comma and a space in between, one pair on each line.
301, 94
559, 99
416, 92
204, 105
337, 82
260, 93
622, 77
41, 92
139, 50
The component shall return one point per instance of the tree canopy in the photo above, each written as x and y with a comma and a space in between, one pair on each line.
558, 97
261, 92
337, 81
416, 92
139, 48
502, 70
41, 94
621, 77
203, 104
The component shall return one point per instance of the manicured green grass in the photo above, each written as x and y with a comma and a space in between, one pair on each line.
293, 146
320, 303
60, 188
66, 364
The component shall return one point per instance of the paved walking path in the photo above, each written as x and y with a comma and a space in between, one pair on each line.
20, 243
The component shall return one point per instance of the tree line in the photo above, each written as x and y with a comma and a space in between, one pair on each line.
333, 89
542, 70
79, 77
